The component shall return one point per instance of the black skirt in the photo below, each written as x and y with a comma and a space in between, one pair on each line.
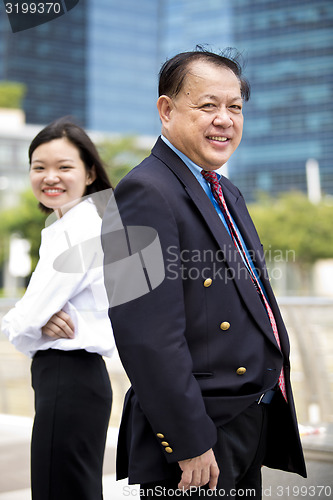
73, 400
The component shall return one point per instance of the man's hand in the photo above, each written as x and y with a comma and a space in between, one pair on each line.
59, 326
199, 471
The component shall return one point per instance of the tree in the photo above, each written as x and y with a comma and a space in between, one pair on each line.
25, 220
120, 156
12, 94
291, 222
294, 230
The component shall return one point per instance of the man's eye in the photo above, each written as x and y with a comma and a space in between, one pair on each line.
208, 105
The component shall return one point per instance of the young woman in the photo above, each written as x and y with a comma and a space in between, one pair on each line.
61, 321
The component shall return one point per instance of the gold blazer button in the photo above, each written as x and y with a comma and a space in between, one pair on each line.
241, 370
225, 325
208, 282
168, 449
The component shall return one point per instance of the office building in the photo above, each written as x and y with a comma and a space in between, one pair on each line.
121, 62
289, 119
100, 61
50, 60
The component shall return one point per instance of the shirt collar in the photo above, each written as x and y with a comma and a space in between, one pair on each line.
195, 169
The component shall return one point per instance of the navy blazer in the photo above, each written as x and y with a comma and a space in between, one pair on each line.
199, 348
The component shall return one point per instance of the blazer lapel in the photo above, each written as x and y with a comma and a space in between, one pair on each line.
241, 216
203, 203
249, 233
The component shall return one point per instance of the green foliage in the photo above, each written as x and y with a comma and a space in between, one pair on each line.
12, 94
25, 220
120, 156
292, 223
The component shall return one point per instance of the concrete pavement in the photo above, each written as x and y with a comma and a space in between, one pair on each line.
14, 466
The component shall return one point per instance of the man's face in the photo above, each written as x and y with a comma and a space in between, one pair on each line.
205, 121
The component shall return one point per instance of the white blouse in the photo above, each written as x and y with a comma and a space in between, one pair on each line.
68, 277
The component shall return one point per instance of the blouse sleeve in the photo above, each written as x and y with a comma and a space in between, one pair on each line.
51, 287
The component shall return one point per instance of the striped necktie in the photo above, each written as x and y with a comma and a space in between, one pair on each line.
212, 179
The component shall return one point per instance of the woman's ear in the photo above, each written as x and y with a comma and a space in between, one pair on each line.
91, 175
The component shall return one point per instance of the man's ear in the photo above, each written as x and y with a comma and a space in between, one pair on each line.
164, 106
91, 175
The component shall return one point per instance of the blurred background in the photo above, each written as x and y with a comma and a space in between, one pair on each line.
99, 63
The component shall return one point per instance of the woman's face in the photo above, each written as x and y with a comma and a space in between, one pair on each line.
58, 175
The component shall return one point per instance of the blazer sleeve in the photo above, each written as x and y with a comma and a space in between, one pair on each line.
150, 331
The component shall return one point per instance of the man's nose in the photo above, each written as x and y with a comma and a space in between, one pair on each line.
223, 119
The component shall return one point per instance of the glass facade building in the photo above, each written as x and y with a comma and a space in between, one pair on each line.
185, 24
122, 57
289, 51
100, 63
50, 60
